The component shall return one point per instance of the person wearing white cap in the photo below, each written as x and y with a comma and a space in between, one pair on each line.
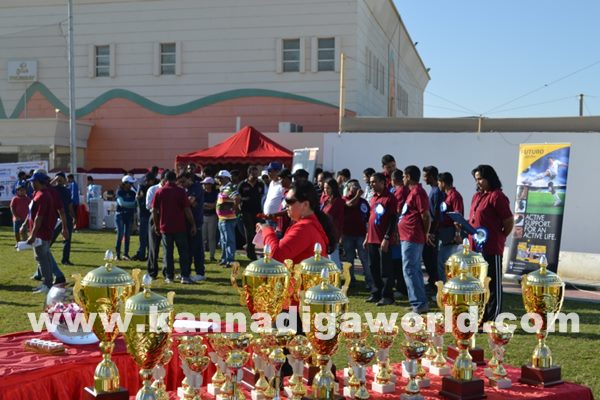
209, 227
126, 205
228, 202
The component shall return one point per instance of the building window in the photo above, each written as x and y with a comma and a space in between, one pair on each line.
168, 58
291, 55
368, 65
102, 61
326, 54
402, 103
381, 78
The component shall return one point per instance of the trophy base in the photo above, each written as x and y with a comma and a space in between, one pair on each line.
349, 392
476, 353
286, 390
335, 397
426, 363
249, 378
89, 393
424, 383
540, 376
502, 383
213, 389
440, 371
383, 388
310, 371
405, 396
488, 372
462, 390
375, 370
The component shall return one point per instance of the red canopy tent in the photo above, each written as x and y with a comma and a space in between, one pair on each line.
248, 146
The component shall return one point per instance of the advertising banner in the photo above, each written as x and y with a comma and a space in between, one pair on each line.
9, 172
539, 206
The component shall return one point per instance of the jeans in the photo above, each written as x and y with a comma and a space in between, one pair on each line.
66, 253
335, 257
444, 253
209, 232
227, 232
353, 245
124, 223
399, 283
46, 262
144, 221
153, 249
382, 272
411, 261
196, 248
179, 239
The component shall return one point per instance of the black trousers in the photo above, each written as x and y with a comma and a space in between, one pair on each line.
153, 249
494, 305
430, 260
249, 220
382, 271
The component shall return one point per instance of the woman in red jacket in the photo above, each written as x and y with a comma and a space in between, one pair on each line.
334, 207
310, 225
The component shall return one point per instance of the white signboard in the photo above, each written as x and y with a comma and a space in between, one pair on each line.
9, 172
305, 159
22, 71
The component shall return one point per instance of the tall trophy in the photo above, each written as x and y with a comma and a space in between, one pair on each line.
300, 352
193, 362
421, 336
148, 333
159, 373
462, 294
104, 291
353, 336
385, 380
478, 268
308, 272
543, 294
498, 337
324, 299
413, 351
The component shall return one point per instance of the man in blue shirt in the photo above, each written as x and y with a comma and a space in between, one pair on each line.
195, 194
74, 189
430, 253
59, 183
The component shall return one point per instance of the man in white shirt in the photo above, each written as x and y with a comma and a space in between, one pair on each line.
153, 238
275, 194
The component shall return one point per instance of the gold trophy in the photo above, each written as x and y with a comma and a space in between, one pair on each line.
104, 291
261, 347
478, 268
148, 332
352, 336
543, 294
361, 356
421, 336
265, 285
385, 380
217, 356
437, 365
193, 362
498, 337
235, 361
413, 351
463, 294
159, 373
324, 299
308, 272
300, 352
225, 346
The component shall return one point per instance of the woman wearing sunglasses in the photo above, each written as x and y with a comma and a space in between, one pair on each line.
309, 226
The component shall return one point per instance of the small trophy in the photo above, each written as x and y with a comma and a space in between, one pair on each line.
498, 338
438, 365
300, 352
236, 360
385, 380
159, 373
413, 350
361, 355
421, 336
218, 356
543, 294
261, 347
193, 362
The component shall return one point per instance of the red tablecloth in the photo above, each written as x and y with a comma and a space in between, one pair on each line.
25, 375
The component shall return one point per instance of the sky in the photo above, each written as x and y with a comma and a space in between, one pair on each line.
507, 58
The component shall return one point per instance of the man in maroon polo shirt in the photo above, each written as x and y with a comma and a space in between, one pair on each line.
448, 236
382, 222
170, 209
388, 163
413, 226
356, 215
400, 193
490, 209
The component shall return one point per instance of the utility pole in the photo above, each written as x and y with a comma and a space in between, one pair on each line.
72, 109
342, 94
581, 104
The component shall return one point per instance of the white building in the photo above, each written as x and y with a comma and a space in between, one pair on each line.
155, 76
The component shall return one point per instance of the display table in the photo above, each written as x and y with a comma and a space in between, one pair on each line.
25, 375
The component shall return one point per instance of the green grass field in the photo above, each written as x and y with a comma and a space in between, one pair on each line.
577, 353
543, 203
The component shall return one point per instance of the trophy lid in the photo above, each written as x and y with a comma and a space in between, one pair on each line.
266, 266
467, 255
543, 277
315, 264
464, 283
107, 275
324, 292
147, 302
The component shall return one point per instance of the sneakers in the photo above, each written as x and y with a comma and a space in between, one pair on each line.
67, 263
222, 262
398, 295
126, 258
60, 281
168, 280
198, 278
385, 301
227, 265
42, 289
187, 281
558, 203
36, 277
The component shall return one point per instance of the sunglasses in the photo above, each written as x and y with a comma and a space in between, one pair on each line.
290, 200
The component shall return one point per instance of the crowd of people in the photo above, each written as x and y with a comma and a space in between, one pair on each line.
391, 224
